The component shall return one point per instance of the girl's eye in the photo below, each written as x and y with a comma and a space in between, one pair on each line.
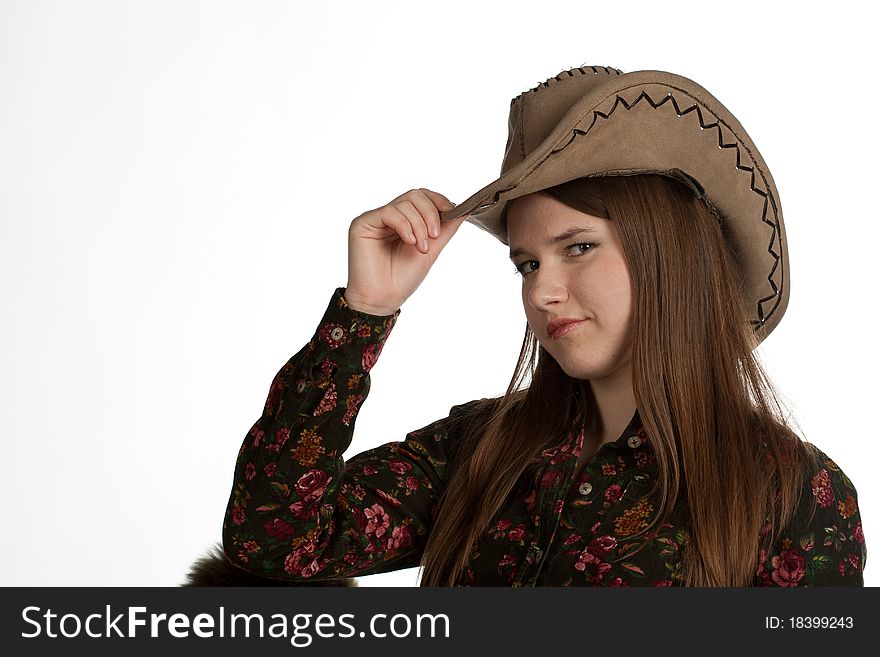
589, 244
520, 268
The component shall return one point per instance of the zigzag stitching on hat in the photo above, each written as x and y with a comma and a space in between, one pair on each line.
596, 70
774, 224
742, 167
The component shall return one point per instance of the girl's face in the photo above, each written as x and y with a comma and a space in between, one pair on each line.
573, 268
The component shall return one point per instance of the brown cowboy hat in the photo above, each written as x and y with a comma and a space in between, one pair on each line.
596, 120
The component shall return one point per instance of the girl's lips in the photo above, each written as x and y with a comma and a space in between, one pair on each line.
567, 328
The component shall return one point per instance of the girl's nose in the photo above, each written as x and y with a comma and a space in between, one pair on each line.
547, 289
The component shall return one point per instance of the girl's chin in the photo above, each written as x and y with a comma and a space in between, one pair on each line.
584, 371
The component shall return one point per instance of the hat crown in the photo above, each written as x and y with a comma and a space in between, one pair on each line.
535, 113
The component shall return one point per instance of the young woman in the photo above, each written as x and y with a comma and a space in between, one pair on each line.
639, 442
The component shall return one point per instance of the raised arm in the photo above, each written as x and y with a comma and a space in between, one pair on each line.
297, 509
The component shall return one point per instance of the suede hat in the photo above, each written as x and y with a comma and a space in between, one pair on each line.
595, 120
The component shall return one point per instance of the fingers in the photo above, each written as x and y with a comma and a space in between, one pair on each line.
418, 224
415, 216
400, 223
420, 207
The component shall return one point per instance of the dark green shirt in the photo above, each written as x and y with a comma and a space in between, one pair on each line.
299, 511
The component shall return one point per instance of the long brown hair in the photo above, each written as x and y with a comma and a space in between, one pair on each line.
712, 413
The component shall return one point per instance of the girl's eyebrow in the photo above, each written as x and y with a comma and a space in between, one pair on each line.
568, 234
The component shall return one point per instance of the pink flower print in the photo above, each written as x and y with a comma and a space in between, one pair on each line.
601, 545
663, 582
275, 393
400, 467
761, 572
258, 434
369, 470
269, 469
571, 539
400, 537
364, 330
378, 521
558, 454
618, 581
506, 560
304, 509
310, 487
312, 484
278, 529
412, 484
237, 515
328, 402
788, 568
250, 471
517, 533
293, 560
849, 565
550, 478
614, 493
281, 437
251, 546
762, 559
311, 569
370, 356
388, 498
858, 536
821, 483
498, 531
591, 566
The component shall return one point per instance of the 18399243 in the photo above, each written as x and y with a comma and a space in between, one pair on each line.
809, 623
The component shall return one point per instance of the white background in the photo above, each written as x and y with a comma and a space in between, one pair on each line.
176, 184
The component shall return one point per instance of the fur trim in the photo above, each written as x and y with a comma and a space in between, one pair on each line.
215, 569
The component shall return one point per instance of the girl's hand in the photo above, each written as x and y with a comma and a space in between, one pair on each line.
392, 248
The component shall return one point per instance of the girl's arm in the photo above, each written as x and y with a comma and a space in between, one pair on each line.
297, 509
828, 551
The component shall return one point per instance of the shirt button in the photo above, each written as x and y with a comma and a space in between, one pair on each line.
337, 333
634, 441
585, 488
300, 386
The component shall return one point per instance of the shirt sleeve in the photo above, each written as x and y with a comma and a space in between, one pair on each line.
297, 509
830, 549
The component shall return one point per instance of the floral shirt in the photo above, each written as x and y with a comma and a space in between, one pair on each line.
298, 510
